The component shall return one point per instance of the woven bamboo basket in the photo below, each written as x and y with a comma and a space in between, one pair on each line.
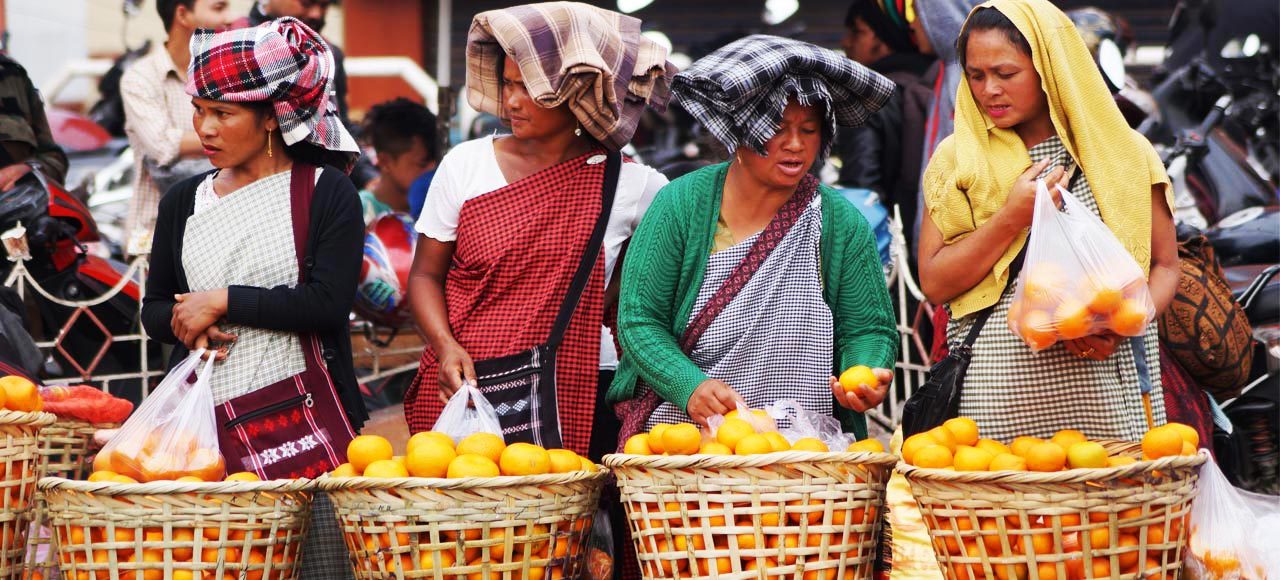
802, 515
526, 528
167, 529
1118, 522
19, 470
64, 452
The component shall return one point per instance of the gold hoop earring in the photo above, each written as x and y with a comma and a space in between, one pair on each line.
270, 153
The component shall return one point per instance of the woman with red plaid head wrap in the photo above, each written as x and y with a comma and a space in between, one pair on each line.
508, 218
259, 260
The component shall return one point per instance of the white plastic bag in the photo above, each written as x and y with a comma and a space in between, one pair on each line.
807, 424
1077, 279
173, 433
1233, 532
467, 412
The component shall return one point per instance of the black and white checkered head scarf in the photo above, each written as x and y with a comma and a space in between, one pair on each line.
739, 91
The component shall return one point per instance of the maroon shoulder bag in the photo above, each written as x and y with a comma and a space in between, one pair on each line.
296, 427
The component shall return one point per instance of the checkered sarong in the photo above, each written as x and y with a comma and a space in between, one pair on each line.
245, 238
1011, 391
774, 341
594, 60
739, 91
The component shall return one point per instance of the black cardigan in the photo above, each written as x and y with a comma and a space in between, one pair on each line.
335, 249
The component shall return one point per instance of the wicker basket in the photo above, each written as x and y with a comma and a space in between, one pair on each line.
111, 531
512, 528
19, 465
64, 452
1119, 522
800, 515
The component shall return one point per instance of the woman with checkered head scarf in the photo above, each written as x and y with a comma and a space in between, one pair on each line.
749, 282
508, 217
259, 259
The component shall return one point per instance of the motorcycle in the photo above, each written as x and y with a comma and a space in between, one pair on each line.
59, 227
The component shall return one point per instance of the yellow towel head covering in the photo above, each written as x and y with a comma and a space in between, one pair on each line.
969, 176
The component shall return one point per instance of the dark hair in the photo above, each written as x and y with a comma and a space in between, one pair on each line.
391, 127
988, 18
169, 8
304, 152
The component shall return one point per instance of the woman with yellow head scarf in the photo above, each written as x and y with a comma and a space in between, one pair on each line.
1032, 104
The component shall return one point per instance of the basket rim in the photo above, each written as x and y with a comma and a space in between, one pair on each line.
912, 472
106, 488
35, 418
331, 484
616, 460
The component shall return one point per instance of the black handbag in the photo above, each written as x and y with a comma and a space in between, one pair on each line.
522, 386
939, 398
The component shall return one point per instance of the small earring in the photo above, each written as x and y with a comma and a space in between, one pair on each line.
269, 139
578, 131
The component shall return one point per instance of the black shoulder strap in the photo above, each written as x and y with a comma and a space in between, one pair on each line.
613, 165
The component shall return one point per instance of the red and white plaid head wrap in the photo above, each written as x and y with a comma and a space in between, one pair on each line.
282, 61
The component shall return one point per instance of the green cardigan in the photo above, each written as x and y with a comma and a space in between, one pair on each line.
664, 268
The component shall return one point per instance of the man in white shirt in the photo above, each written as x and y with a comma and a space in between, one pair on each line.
158, 112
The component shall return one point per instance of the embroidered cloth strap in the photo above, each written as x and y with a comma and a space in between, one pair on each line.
635, 412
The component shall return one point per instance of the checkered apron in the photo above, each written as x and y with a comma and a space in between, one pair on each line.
775, 340
245, 238
1011, 391
517, 250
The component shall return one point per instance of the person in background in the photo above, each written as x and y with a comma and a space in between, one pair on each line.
883, 155
935, 25
312, 13
158, 114
403, 136
26, 143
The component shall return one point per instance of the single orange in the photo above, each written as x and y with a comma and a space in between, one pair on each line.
655, 438
638, 444
915, 443
867, 446
1073, 319
524, 459
681, 439
431, 457
20, 394
1046, 457
1130, 319
1162, 442
366, 449
483, 444
964, 429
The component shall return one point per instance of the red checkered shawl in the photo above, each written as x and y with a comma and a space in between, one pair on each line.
517, 250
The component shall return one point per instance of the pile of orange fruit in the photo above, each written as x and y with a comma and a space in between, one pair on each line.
147, 542
1049, 307
176, 456
434, 454
955, 445
19, 394
550, 552
739, 434
778, 533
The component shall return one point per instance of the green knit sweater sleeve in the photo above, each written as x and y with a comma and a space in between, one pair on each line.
651, 300
866, 332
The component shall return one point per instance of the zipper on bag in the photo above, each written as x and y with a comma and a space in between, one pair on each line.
306, 400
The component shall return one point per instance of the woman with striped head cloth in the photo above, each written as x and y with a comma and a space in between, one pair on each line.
748, 281
508, 217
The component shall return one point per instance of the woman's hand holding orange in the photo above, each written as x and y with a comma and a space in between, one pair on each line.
863, 398
712, 397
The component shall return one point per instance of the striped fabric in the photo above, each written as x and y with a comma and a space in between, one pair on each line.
774, 341
739, 91
1011, 391
593, 59
281, 61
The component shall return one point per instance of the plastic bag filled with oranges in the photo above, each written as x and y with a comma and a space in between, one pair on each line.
173, 433
1078, 280
1225, 521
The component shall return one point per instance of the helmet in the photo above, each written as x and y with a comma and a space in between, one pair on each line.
382, 294
1094, 25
